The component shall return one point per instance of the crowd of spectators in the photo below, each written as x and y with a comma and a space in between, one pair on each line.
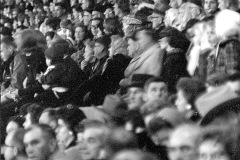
120, 79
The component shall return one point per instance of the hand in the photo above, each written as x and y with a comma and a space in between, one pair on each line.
45, 86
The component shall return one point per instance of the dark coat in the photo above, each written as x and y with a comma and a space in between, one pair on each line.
174, 67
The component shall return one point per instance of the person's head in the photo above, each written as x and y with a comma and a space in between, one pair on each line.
145, 38
7, 48
55, 53
101, 47
59, 9
97, 11
230, 27
210, 6
88, 4
159, 130
49, 37
122, 7
28, 40
136, 92
157, 19
188, 89
182, 142
94, 137
81, 33
96, 26
53, 24
109, 13
211, 144
156, 89
77, 10
228, 4
133, 46
171, 38
33, 113
49, 117
86, 17
14, 123
120, 139
134, 154
161, 5
112, 26
14, 146
40, 142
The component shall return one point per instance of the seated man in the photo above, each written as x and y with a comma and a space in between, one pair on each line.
16, 66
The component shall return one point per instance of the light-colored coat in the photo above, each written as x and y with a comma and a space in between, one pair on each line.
149, 62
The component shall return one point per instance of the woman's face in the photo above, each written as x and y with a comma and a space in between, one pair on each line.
79, 34
181, 101
88, 54
212, 150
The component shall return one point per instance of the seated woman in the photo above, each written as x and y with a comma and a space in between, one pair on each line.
188, 89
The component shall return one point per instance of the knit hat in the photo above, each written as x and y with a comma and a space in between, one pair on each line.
71, 115
57, 50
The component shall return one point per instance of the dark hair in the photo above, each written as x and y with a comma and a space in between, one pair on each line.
62, 5
124, 6
175, 38
104, 40
53, 23
51, 34
35, 111
78, 8
191, 87
113, 26
100, 24
157, 124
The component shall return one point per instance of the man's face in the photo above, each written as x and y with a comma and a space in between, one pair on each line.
210, 6
161, 137
8, 151
142, 39
222, 4
132, 47
6, 52
37, 145
46, 119
91, 143
94, 27
86, 18
181, 146
58, 11
212, 150
181, 102
135, 97
157, 91
98, 48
